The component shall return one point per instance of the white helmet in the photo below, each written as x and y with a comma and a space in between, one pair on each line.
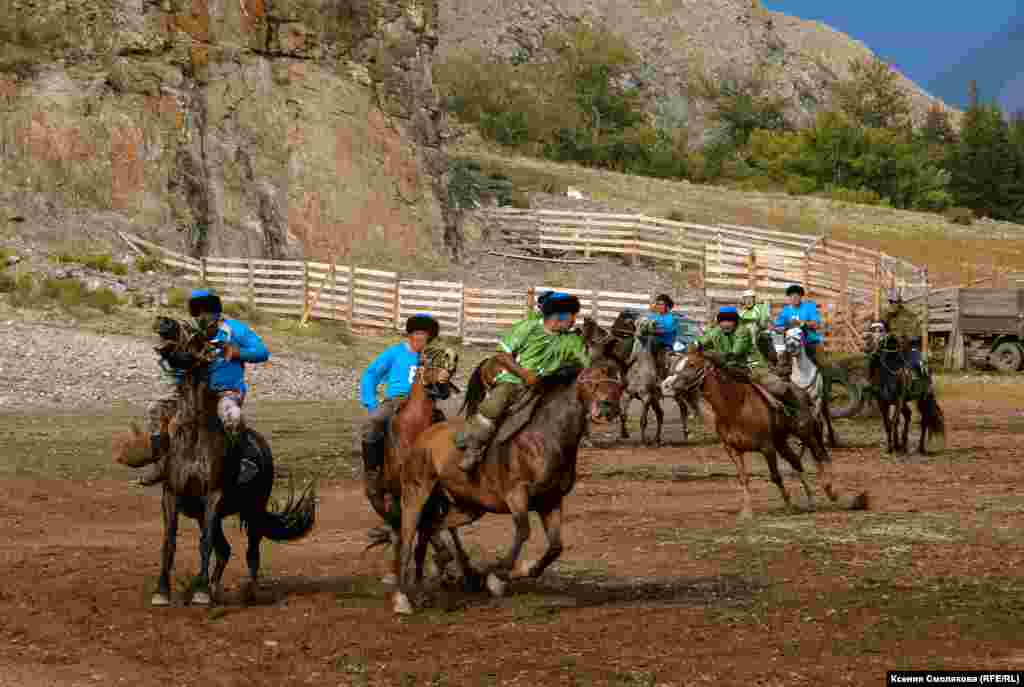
749, 293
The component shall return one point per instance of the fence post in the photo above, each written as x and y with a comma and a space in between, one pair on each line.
680, 243
202, 271
398, 303
752, 269
844, 298
305, 292
877, 288
351, 293
252, 286
529, 300
924, 320
462, 312
586, 237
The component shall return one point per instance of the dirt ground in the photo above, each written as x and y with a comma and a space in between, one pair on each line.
659, 584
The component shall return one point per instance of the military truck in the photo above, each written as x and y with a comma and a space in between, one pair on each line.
982, 327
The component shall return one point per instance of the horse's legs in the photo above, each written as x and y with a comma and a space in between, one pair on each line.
552, 520
223, 550
415, 493
883, 409
252, 558
924, 409
794, 462
905, 412
518, 501
623, 413
471, 580
659, 416
201, 595
162, 597
739, 460
828, 423
646, 400
684, 415
773, 468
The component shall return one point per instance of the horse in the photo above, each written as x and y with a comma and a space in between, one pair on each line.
432, 382
617, 346
534, 470
747, 421
643, 383
806, 376
201, 484
891, 374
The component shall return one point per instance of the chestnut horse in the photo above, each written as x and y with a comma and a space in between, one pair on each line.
747, 422
534, 471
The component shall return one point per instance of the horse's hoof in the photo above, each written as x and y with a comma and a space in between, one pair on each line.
861, 502
495, 585
160, 600
201, 599
390, 579
402, 605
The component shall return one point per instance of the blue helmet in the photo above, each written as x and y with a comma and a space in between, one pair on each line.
203, 299
557, 303
728, 313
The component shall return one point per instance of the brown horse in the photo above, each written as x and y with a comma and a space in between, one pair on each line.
534, 471
748, 422
431, 383
202, 484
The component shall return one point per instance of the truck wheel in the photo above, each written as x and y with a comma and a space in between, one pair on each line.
1006, 357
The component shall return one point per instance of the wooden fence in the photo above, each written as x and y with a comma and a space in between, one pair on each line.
846, 281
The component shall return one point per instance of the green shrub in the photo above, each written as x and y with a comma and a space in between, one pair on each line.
800, 186
936, 200
24, 294
177, 298
102, 299
958, 215
863, 196
7, 282
101, 262
506, 128
149, 263
242, 310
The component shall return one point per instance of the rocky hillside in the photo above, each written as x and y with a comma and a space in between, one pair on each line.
240, 127
680, 44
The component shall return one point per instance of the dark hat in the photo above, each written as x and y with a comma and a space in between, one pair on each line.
422, 322
666, 299
203, 299
795, 288
558, 302
728, 312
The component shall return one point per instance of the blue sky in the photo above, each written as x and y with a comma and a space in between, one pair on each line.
934, 43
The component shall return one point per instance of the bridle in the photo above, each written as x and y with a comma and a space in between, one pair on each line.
585, 380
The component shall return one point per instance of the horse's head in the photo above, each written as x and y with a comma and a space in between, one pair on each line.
184, 346
874, 336
795, 341
439, 366
687, 374
600, 389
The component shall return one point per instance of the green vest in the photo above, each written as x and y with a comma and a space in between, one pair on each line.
737, 348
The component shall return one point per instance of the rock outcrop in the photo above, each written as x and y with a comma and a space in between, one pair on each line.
270, 128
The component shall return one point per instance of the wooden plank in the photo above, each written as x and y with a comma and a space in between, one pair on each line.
191, 267
376, 273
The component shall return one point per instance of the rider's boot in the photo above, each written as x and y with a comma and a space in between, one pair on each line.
374, 453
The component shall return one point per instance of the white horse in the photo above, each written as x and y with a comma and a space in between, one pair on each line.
684, 398
806, 376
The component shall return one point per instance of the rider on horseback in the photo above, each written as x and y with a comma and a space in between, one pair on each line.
396, 366
804, 314
732, 346
665, 330
532, 348
238, 345
903, 324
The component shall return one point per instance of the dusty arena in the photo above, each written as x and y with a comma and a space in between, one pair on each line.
659, 583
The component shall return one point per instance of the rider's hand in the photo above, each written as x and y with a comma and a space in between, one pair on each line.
231, 352
529, 378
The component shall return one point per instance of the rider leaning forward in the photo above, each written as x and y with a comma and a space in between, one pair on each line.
730, 345
531, 349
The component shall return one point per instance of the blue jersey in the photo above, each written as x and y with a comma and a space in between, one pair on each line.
230, 375
667, 327
807, 311
396, 367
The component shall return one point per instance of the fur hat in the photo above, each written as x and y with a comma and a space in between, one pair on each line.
421, 322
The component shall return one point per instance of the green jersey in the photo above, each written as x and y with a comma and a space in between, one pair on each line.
757, 314
539, 350
902, 322
737, 348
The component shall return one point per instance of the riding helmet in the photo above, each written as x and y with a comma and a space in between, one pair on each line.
422, 322
728, 312
795, 288
558, 302
203, 299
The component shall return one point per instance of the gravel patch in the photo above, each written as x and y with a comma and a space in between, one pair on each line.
53, 367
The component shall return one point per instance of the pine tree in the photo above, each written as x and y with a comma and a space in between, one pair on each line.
986, 169
936, 129
873, 96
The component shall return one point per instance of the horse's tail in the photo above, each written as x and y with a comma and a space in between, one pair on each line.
475, 391
293, 521
935, 419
